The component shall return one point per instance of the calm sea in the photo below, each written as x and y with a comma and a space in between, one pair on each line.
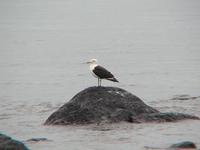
152, 47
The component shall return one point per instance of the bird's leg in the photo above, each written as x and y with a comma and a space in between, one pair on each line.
98, 81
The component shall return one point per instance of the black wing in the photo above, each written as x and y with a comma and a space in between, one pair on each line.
102, 73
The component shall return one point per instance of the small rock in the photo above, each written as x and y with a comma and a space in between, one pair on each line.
37, 139
184, 97
185, 145
7, 143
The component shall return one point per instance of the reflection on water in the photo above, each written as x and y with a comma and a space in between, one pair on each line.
151, 47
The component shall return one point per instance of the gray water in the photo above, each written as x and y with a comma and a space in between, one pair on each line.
152, 47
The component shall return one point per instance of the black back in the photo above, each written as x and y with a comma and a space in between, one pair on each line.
102, 73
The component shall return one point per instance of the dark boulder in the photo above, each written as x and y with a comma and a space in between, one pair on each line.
108, 104
185, 145
7, 143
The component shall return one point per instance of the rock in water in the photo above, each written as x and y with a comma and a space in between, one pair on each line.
184, 145
107, 104
7, 143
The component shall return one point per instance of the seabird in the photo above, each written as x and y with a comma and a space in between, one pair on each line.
100, 72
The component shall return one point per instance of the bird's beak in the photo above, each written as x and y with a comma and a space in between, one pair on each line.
86, 62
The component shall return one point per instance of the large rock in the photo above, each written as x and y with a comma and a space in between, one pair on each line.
108, 104
7, 143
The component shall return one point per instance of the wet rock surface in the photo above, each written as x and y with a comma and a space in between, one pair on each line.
7, 143
109, 104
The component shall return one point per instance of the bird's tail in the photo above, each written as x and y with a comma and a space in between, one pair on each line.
113, 79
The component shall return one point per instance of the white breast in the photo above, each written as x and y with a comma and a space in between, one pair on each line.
92, 66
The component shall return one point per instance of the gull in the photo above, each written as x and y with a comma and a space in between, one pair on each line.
100, 72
